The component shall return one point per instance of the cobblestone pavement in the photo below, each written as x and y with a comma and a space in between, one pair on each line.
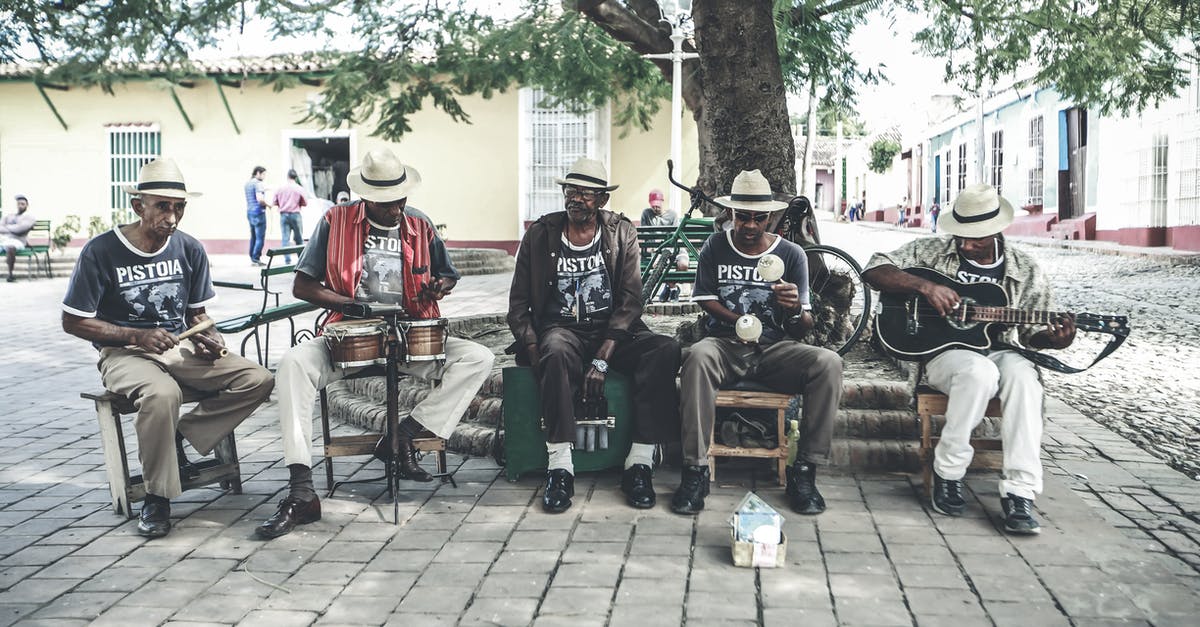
484, 553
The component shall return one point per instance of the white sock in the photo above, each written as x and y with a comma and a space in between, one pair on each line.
560, 456
640, 454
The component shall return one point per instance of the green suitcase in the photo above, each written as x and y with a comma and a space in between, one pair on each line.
525, 439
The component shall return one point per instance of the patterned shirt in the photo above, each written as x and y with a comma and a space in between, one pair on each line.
1024, 282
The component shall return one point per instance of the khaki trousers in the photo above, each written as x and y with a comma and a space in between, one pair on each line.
153, 382
970, 380
786, 366
306, 368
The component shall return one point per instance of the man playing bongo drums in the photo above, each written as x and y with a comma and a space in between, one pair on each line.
133, 291
375, 250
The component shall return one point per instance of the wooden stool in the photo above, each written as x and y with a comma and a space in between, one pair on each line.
126, 489
364, 444
930, 403
748, 395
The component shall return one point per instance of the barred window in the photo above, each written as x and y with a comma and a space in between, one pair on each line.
962, 166
130, 146
1189, 179
998, 160
1037, 145
1149, 208
555, 136
946, 187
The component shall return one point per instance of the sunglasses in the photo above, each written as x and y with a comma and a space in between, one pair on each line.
164, 205
570, 191
751, 216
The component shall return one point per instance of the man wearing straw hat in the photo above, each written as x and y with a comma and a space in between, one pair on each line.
133, 291
975, 253
341, 267
728, 288
575, 309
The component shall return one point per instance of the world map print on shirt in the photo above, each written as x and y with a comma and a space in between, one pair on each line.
731, 277
584, 290
383, 266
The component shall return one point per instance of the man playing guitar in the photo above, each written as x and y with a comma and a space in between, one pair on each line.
976, 252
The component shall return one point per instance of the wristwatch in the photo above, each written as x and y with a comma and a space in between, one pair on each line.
600, 365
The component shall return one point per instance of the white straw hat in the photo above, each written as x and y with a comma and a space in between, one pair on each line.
587, 173
382, 178
160, 177
979, 211
751, 192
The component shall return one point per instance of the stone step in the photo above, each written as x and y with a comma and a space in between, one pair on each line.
474, 261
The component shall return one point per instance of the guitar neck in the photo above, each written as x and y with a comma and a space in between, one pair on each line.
1009, 315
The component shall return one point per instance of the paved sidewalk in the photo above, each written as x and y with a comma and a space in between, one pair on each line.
484, 553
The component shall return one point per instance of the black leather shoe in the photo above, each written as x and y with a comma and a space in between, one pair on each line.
637, 485
409, 467
155, 520
292, 512
693, 487
948, 496
560, 487
1018, 515
802, 491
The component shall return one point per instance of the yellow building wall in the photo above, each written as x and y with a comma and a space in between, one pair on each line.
469, 171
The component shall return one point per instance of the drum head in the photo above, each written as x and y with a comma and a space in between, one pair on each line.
350, 328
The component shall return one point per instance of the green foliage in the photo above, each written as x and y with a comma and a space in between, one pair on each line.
828, 115
65, 230
882, 153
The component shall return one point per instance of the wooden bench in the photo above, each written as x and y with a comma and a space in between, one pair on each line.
271, 311
930, 403
126, 489
748, 395
37, 256
651, 237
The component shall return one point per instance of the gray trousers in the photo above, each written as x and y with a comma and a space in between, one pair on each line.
153, 381
787, 366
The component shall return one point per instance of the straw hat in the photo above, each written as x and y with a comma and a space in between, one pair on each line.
587, 173
382, 178
160, 177
751, 192
979, 211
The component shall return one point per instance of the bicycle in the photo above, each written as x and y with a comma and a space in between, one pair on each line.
841, 301
667, 253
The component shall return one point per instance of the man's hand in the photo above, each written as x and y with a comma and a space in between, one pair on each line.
438, 288
157, 341
535, 356
208, 344
593, 383
787, 295
1061, 332
943, 299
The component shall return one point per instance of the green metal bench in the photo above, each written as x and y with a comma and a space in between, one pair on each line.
651, 237
259, 322
37, 256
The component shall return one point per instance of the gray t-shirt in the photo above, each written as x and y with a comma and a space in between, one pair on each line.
116, 282
584, 289
727, 275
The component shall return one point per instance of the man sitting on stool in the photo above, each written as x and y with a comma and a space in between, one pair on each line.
374, 250
133, 291
729, 286
575, 306
978, 253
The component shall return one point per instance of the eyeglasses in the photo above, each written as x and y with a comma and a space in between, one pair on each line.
570, 191
164, 205
748, 216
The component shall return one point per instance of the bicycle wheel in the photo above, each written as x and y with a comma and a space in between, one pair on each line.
841, 301
652, 277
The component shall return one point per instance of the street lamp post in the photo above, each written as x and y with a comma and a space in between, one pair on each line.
677, 13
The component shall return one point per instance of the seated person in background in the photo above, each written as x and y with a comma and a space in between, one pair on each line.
728, 286
13, 229
657, 215
375, 250
133, 290
978, 253
575, 307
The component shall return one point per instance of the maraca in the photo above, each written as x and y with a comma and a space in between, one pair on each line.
770, 268
748, 328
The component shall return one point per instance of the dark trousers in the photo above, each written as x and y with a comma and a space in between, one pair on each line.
649, 359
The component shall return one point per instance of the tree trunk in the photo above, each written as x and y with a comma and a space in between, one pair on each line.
743, 119
807, 186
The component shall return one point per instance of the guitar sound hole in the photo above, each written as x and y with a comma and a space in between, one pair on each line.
960, 318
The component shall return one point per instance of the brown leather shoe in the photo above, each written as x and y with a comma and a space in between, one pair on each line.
292, 512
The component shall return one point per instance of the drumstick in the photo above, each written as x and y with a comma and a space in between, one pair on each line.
203, 325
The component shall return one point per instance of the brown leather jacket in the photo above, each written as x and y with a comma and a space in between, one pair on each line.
536, 276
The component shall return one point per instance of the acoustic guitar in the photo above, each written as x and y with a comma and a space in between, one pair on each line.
910, 329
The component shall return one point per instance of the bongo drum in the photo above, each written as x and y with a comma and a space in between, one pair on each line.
424, 340
355, 343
